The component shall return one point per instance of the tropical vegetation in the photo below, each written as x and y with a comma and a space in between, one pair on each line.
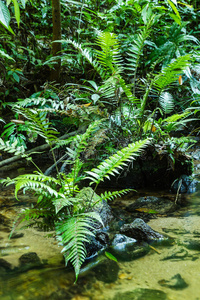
100, 81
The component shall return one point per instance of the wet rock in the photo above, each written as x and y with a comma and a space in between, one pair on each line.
159, 205
107, 271
29, 260
141, 294
121, 240
176, 282
102, 237
93, 248
88, 197
140, 231
127, 249
97, 244
184, 184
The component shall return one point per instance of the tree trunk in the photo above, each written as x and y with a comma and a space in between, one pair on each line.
56, 47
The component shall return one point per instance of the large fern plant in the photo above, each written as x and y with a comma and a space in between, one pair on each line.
59, 199
130, 95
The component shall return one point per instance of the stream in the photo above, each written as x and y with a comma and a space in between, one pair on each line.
170, 271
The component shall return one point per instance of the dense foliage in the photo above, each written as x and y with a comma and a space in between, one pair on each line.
117, 75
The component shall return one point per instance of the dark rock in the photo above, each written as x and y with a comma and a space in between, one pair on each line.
184, 184
88, 197
97, 244
176, 282
17, 235
102, 237
28, 261
107, 271
141, 294
160, 205
140, 231
93, 248
127, 249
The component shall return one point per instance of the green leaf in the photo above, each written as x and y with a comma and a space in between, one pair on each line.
5, 55
110, 256
4, 14
17, 11
174, 9
23, 2
111, 165
16, 77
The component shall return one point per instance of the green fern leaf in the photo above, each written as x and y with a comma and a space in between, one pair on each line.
112, 195
166, 102
111, 165
73, 233
171, 73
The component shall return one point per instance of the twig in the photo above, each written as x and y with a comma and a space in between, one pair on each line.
37, 149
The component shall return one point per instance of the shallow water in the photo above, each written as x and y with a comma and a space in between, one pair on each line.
136, 279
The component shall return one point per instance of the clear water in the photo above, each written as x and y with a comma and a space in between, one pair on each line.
150, 272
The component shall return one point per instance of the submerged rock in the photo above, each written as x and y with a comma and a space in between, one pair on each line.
140, 231
176, 282
151, 203
141, 294
28, 261
107, 271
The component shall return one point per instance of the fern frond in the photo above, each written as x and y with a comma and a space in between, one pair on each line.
88, 56
136, 50
112, 195
111, 165
40, 184
38, 123
74, 232
109, 56
12, 148
171, 73
166, 102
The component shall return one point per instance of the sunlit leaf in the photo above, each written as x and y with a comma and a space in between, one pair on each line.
147, 210
17, 11
110, 256
4, 14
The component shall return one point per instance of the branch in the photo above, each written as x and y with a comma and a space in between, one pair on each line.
38, 149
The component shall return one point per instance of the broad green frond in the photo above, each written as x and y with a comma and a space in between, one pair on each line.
166, 102
38, 123
74, 232
136, 50
112, 195
12, 148
109, 56
88, 56
38, 183
111, 165
171, 73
